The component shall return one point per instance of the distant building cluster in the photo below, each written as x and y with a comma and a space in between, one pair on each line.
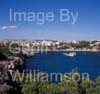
30, 46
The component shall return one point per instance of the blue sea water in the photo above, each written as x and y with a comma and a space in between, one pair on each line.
85, 62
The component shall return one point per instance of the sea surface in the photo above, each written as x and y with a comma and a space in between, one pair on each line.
85, 62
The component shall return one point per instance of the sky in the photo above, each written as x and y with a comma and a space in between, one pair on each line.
86, 27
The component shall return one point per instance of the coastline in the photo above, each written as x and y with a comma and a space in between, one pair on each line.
83, 50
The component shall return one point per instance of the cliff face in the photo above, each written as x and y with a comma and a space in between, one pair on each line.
7, 67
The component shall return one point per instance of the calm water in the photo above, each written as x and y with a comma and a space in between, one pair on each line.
88, 62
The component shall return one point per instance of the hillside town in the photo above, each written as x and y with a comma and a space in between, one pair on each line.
28, 47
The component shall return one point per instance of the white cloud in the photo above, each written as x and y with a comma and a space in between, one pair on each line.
8, 27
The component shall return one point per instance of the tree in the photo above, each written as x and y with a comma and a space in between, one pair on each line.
88, 87
30, 88
97, 88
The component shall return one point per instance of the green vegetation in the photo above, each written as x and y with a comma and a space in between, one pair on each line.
65, 87
4, 49
81, 44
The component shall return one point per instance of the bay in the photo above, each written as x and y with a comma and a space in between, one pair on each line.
85, 62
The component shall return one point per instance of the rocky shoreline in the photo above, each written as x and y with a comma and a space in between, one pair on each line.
8, 66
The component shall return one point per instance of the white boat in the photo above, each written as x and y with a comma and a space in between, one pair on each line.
71, 54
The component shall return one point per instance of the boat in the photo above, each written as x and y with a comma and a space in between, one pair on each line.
71, 54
